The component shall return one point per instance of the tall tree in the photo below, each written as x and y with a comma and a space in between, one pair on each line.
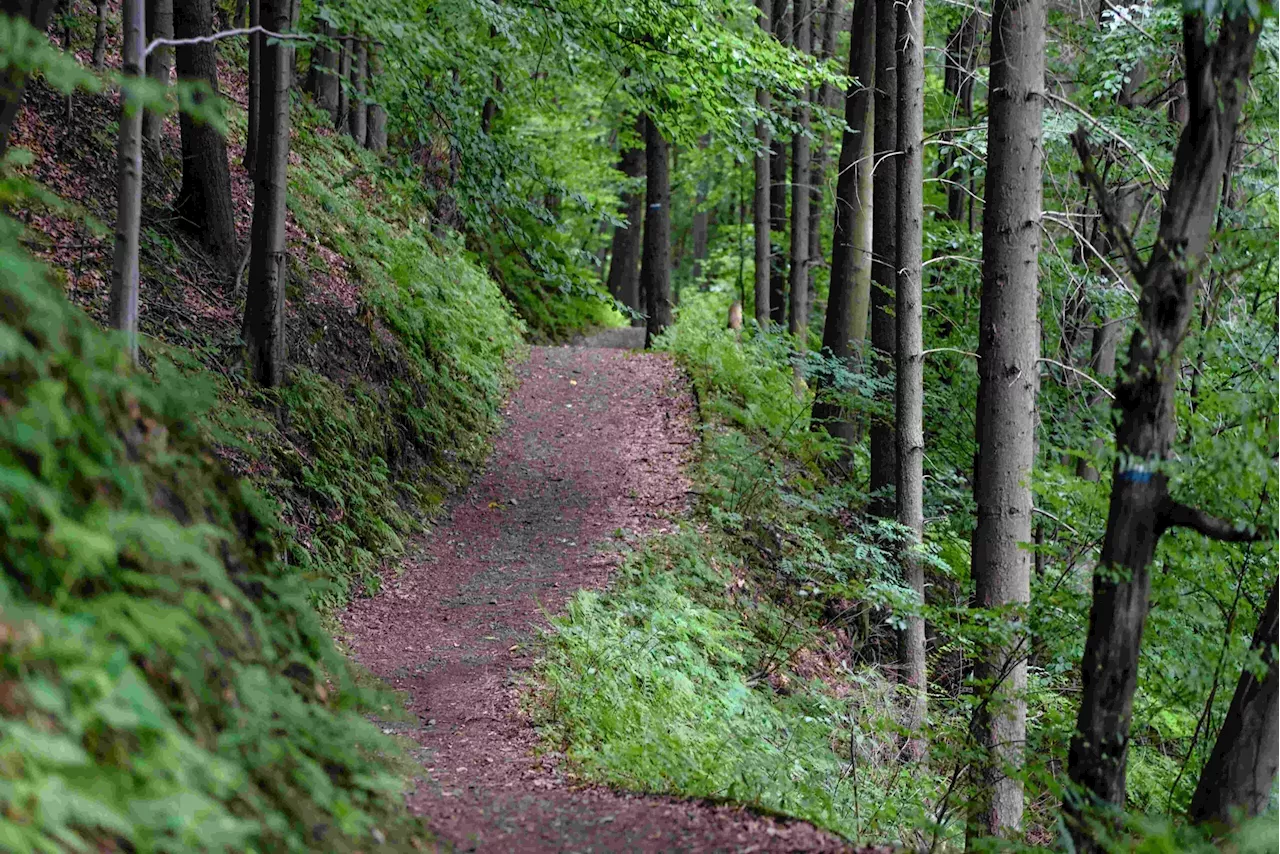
782, 18
100, 36
122, 313
909, 374
263, 329
159, 15
204, 199
322, 75
884, 253
961, 59
358, 110
824, 47
850, 210
701, 218
1008, 362
798, 281
624, 264
254, 109
655, 265
1141, 507
760, 203
13, 75
376, 136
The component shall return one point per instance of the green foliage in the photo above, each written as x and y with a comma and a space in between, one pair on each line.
164, 683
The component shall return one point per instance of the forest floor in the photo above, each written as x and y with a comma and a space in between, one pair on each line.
591, 457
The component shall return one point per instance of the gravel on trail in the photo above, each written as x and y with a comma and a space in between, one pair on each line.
594, 442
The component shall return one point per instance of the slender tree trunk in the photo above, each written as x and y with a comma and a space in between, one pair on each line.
13, 77
264, 311
760, 203
624, 266
322, 79
862, 235
1103, 362
358, 111
346, 46
204, 199
824, 47
1240, 775
909, 378
100, 37
1141, 506
1008, 381
798, 282
961, 57
655, 266
778, 192
842, 303
884, 251
376, 140
123, 310
159, 65
254, 109
701, 219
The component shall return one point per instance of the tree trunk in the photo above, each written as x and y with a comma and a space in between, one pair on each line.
1240, 775
842, 303
322, 78
100, 37
624, 264
798, 281
824, 47
13, 78
655, 266
358, 110
1103, 362
884, 254
862, 235
701, 219
264, 318
760, 203
122, 312
204, 199
1141, 506
254, 108
779, 190
909, 378
376, 140
159, 65
961, 57
1008, 371
345, 48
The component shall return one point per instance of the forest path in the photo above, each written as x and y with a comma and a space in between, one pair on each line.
594, 442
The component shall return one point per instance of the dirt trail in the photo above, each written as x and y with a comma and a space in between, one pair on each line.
594, 442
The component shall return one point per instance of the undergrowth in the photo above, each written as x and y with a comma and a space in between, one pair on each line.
165, 684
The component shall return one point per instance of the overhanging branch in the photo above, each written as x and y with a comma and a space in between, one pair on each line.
1111, 219
1178, 515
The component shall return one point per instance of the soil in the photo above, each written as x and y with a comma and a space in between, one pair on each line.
591, 457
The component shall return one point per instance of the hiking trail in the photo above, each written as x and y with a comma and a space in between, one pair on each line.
593, 445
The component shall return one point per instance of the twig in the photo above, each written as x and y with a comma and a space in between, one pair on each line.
1104, 389
1124, 143
219, 36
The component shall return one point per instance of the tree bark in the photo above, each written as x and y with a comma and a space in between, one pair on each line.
862, 234
159, 15
624, 264
263, 329
701, 219
1008, 371
358, 110
204, 199
122, 312
850, 212
322, 78
13, 78
909, 378
100, 37
760, 203
345, 48
254, 107
824, 47
779, 190
961, 57
376, 138
884, 252
1241, 772
1141, 507
798, 280
655, 266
